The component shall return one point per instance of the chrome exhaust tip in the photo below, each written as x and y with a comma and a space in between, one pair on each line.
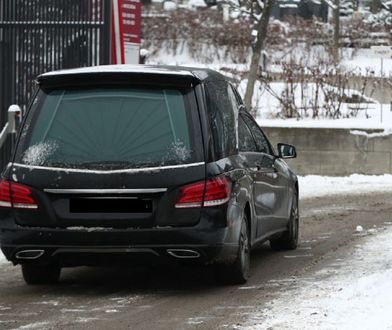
29, 254
183, 253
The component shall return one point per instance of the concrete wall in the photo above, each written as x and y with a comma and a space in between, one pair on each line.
336, 152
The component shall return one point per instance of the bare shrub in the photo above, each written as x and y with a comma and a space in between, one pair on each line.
319, 91
204, 34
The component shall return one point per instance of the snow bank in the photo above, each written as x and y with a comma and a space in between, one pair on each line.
196, 4
344, 123
386, 132
317, 186
364, 62
356, 296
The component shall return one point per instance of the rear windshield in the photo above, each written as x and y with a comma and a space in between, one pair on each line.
108, 127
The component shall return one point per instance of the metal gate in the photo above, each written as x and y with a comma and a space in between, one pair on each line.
43, 35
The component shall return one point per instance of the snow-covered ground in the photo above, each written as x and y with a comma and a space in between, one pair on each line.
354, 295
349, 294
318, 186
364, 62
346, 123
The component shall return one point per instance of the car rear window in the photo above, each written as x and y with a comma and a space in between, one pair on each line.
108, 127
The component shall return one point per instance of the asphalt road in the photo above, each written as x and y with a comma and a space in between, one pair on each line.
189, 297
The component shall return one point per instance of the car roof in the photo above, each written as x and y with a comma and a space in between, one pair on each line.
178, 72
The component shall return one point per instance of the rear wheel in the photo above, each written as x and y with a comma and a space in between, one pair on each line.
238, 272
40, 274
289, 239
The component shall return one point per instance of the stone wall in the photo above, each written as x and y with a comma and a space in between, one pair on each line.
336, 152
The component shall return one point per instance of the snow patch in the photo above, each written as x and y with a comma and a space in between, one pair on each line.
364, 63
299, 256
36, 325
386, 132
169, 5
193, 4
357, 296
199, 320
86, 319
49, 302
111, 311
3, 260
124, 68
178, 152
74, 310
317, 186
38, 153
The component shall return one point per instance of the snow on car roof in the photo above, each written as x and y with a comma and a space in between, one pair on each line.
198, 73
125, 68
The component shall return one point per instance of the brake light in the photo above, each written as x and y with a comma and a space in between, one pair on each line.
212, 192
16, 195
218, 191
5, 194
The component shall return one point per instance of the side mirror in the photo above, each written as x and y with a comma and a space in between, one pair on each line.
286, 151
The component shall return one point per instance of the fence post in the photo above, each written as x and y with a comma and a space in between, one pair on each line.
14, 112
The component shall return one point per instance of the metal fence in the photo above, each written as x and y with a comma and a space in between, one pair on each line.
43, 35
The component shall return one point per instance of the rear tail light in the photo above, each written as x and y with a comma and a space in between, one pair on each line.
5, 194
191, 195
212, 192
218, 191
16, 195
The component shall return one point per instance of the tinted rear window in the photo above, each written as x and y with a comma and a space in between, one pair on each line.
109, 127
223, 116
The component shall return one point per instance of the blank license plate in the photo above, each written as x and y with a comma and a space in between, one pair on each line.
110, 205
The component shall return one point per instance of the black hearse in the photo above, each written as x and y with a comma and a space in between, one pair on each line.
122, 163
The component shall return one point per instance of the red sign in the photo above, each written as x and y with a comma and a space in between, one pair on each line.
131, 18
126, 31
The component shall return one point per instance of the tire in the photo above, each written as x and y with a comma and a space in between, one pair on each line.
238, 272
289, 239
40, 274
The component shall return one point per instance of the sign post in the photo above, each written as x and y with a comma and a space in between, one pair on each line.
382, 52
126, 31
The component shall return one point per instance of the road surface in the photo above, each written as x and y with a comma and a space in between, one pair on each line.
189, 297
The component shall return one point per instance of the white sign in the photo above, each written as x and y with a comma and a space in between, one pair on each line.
382, 51
132, 52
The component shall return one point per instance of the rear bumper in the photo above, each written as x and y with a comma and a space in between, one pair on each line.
82, 246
